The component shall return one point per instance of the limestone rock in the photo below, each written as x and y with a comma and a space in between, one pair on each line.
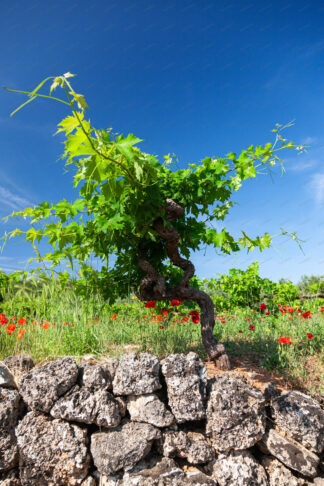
10, 407
198, 479
165, 472
318, 481
239, 468
137, 375
292, 454
278, 474
191, 446
41, 387
82, 405
89, 481
301, 418
127, 444
6, 378
51, 452
103, 480
149, 409
269, 390
236, 416
186, 379
21, 363
10, 478
111, 364
94, 376
122, 406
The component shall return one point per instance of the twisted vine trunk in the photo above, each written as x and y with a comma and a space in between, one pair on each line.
153, 286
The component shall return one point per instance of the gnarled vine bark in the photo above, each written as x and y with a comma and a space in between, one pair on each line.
153, 285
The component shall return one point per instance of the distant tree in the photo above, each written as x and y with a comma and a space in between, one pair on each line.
306, 281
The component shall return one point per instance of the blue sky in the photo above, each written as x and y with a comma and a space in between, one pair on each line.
194, 78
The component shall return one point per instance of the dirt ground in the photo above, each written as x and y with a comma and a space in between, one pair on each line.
250, 369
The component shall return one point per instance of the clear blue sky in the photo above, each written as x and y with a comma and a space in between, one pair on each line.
194, 78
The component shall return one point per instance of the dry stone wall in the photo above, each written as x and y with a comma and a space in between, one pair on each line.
142, 422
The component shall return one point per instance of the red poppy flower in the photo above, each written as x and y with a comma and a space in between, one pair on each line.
195, 318
290, 310
46, 325
11, 328
267, 313
150, 304
262, 306
193, 313
307, 315
175, 302
322, 308
161, 327
252, 327
22, 321
310, 336
285, 340
3, 320
114, 317
21, 333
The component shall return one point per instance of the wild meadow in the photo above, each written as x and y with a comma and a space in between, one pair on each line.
40, 318
149, 215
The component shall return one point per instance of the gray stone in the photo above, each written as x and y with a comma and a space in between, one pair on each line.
6, 378
198, 478
41, 387
82, 405
166, 473
10, 478
122, 406
149, 409
127, 444
318, 481
22, 363
302, 419
236, 416
239, 468
94, 376
148, 462
111, 364
163, 473
19, 365
137, 375
89, 481
51, 452
292, 454
191, 446
278, 474
10, 407
103, 480
186, 379
269, 390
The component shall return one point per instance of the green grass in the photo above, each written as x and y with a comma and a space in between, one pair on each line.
76, 332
